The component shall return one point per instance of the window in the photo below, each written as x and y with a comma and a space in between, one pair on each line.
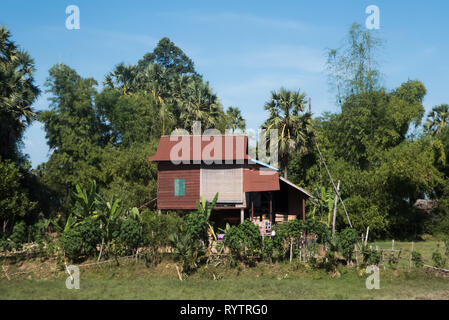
180, 187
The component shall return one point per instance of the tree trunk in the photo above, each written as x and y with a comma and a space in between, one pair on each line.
101, 249
334, 214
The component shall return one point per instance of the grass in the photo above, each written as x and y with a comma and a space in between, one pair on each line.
45, 279
426, 248
281, 281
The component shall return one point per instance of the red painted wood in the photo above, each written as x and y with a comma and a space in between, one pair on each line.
167, 173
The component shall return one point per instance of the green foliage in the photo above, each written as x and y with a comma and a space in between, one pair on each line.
14, 203
130, 234
295, 132
189, 252
19, 234
243, 241
417, 259
196, 227
72, 244
438, 260
353, 68
17, 94
157, 227
346, 240
371, 256
90, 233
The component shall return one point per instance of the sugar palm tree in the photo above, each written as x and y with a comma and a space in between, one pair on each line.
235, 119
123, 77
200, 104
17, 93
294, 127
437, 119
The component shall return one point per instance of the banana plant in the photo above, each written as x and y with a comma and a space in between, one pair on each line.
108, 216
86, 201
205, 207
323, 202
70, 223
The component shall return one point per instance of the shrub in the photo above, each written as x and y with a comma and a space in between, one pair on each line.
268, 249
417, 259
371, 256
72, 243
130, 234
189, 252
319, 229
243, 241
19, 234
38, 230
91, 234
196, 226
437, 258
346, 240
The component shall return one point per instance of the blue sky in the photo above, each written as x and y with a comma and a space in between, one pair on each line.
245, 49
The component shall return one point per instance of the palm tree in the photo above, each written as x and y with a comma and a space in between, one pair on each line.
437, 119
235, 119
200, 104
17, 93
153, 81
123, 77
294, 128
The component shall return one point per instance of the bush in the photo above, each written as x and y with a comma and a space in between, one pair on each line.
72, 244
19, 235
437, 258
156, 230
196, 226
417, 259
371, 256
189, 252
91, 234
130, 234
346, 240
243, 241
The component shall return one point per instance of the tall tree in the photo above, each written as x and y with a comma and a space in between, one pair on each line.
171, 57
286, 109
200, 104
437, 119
235, 119
17, 93
74, 131
353, 68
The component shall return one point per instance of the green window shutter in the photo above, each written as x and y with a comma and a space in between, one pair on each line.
180, 187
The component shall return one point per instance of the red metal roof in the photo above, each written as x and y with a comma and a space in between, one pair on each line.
256, 178
206, 148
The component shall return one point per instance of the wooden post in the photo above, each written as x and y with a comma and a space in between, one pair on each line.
303, 207
392, 244
271, 208
410, 260
334, 214
252, 208
291, 249
366, 237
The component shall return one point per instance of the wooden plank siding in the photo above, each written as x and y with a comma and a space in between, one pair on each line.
167, 173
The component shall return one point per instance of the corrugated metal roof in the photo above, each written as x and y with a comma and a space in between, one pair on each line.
259, 179
296, 187
194, 148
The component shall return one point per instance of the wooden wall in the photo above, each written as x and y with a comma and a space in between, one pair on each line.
167, 173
